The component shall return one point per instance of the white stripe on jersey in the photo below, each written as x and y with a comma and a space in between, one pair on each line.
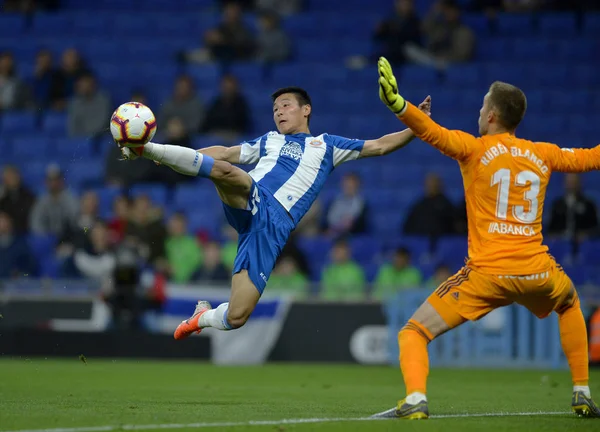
267, 163
304, 177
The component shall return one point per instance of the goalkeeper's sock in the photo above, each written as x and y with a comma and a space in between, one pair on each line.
414, 360
182, 159
573, 337
216, 318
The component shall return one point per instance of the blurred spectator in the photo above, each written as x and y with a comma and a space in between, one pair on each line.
212, 268
397, 31
89, 110
433, 215
229, 113
16, 259
347, 214
280, 7
460, 218
232, 39
56, 211
71, 69
229, 250
45, 78
13, 92
448, 40
176, 133
184, 104
513, 6
118, 224
87, 217
441, 274
398, 275
291, 250
138, 95
273, 44
16, 199
147, 231
287, 278
573, 215
96, 260
183, 251
310, 224
29, 6
343, 279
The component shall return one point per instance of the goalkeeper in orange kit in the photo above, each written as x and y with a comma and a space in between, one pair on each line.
505, 180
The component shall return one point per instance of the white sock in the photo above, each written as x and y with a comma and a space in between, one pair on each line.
415, 398
584, 389
182, 159
216, 318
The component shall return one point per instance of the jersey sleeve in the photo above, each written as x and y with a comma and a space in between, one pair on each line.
252, 150
345, 149
456, 144
571, 160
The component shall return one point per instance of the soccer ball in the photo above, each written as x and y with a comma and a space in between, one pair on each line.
132, 125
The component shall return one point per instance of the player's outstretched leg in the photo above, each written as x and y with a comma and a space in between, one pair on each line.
424, 326
227, 316
573, 337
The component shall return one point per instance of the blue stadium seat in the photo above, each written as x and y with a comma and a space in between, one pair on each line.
30, 147
54, 124
51, 24
591, 23
560, 249
42, 246
559, 24
157, 193
538, 49
317, 252
464, 75
589, 253
17, 123
452, 251
419, 247
365, 249
11, 25
106, 197
514, 24
72, 149
84, 174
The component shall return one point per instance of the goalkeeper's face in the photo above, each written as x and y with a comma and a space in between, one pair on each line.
289, 116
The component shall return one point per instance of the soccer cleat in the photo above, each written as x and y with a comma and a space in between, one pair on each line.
584, 406
418, 411
190, 325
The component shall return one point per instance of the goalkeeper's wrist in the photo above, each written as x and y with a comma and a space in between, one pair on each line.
399, 107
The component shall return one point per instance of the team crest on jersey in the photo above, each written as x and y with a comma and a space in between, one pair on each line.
315, 143
292, 150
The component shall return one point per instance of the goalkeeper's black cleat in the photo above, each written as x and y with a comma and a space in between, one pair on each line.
418, 411
584, 406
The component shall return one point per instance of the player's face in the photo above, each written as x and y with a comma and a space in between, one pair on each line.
484, 113
289, 116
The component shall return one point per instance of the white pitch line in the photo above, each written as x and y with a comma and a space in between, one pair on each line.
133, 427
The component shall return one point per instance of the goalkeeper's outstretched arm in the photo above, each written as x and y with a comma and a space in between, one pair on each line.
394, 141
456, 144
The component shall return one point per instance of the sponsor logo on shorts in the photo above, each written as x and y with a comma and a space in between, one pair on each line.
262, 275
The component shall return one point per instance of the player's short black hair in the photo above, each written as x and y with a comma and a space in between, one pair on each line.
403, 250
302, 96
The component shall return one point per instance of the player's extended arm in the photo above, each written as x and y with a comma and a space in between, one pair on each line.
227, 154
391, 142
571, 160
456, 144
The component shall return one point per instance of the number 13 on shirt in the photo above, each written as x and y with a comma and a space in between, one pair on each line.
503, 178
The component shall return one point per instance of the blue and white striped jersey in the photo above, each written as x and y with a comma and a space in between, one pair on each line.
293, 168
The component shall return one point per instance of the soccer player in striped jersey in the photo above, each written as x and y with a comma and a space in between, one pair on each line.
265, 205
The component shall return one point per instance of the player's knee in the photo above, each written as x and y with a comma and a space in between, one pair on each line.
570, 302
237, 317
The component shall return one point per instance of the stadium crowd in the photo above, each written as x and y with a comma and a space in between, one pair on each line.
53, 229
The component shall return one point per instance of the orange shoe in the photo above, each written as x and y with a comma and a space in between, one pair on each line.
190, 325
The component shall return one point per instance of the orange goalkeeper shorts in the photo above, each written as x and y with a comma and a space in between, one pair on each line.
472, 295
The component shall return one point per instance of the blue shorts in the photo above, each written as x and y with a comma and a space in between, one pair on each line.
263, 228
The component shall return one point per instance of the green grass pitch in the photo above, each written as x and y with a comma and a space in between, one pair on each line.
40, 394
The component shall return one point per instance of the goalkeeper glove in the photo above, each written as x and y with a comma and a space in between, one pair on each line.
388, 88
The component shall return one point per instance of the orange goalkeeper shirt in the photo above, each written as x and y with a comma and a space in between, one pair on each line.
505, 180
